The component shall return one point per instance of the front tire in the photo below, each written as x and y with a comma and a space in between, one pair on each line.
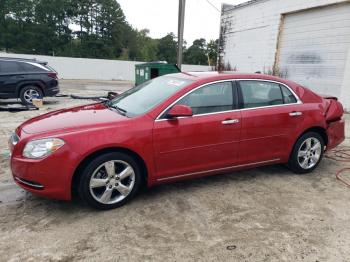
307, 153
110, 181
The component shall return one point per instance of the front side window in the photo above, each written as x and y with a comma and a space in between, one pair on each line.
260, 94
212, 98
144, 97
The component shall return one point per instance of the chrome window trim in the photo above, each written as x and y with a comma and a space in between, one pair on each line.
158, 119
219, 169
275, 82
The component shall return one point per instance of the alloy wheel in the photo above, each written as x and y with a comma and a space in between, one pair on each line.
112, 182
309, 153
30, 94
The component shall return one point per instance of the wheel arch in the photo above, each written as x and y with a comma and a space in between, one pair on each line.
78, 171
22, 85
317, 129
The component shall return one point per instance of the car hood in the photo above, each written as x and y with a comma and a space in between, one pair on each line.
81, 117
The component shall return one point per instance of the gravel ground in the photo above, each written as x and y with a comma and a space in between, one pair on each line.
265, 214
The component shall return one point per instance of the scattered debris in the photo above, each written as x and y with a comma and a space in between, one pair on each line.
341, 155
38, 102
86, 97
6, 154
110, 96
341, 178
233, 247
61, 95
14, 109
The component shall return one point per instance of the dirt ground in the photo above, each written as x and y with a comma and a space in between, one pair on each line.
264, 214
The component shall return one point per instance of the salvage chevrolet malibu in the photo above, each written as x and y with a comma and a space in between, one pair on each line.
171, 128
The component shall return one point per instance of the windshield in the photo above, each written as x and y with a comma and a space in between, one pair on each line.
146, 96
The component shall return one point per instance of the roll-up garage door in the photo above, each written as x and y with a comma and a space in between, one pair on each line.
314, 46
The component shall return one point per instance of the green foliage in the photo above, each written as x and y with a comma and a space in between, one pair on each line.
196, 54
87, 28
146, 46
212, 51
201, 53
167, 48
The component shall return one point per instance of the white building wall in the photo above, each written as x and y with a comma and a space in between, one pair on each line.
313, 47
94, 69
252, 32
345, 91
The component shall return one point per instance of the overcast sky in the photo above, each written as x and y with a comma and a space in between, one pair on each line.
160, 17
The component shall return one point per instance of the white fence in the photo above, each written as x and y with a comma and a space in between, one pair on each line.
94, 69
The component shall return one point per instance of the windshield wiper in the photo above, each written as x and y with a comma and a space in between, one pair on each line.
120, 110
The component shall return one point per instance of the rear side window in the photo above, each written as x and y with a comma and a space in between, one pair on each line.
260, 93
288, 97
33, 67
212, 98
10, 67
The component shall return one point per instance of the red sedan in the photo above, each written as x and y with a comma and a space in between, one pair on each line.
172, 128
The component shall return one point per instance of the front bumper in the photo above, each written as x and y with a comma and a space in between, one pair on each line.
49, 177
335, 133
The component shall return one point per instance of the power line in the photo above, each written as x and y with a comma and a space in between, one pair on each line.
213, 6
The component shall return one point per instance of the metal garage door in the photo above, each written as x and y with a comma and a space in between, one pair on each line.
313, 47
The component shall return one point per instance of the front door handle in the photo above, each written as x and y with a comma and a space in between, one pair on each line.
230, 121
295, 113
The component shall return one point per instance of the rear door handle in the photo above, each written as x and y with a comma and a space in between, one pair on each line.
295, 113
230, 121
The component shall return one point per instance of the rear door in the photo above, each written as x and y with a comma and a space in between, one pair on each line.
208, 140
271, 113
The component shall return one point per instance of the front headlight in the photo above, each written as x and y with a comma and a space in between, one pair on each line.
42, 148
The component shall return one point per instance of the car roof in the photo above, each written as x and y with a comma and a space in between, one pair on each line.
22, 60
226, 75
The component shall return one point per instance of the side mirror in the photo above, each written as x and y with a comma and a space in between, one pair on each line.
180, 111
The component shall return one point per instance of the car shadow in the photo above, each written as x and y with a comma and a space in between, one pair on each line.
214, 180
146, 195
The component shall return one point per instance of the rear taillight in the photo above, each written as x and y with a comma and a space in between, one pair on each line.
52, 75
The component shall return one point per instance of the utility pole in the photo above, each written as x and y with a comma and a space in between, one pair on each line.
182, 4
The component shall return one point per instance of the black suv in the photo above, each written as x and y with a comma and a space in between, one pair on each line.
26, 79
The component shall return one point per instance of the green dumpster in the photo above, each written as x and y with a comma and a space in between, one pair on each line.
147, 71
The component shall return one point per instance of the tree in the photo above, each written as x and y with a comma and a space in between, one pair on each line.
86, 28
147, 47
196, 54
212, 51
167, 48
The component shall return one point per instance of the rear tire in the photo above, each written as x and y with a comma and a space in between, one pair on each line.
28, 93
307, 153
110, 180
